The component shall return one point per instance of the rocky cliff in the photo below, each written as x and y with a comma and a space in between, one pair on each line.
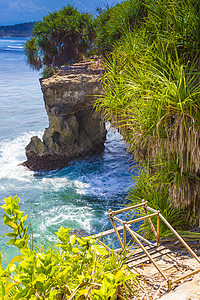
75, 130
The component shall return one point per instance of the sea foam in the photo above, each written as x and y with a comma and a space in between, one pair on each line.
12, 154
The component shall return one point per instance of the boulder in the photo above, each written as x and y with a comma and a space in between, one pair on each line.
75, 129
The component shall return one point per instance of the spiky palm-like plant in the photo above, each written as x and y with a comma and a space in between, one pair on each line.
152, 90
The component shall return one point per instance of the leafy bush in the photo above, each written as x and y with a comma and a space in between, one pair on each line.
74, 268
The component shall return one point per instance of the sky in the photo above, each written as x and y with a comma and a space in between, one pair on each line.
19, 11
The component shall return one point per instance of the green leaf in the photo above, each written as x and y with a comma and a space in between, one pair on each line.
52, 294
19, 214
119, 275
11, 267
8, 208
22, 293
63, 234
10, 234
72, 239
9, 221
40, 286
27, 253
105, 286
41, 278
17, 258
11, 200
2, 290
99, 250
110, 276
111, 292
11, 242
98, 293
9, 286
75, 250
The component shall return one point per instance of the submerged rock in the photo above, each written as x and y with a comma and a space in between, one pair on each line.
75, 130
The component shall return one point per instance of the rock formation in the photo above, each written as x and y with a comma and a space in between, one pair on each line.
75, 130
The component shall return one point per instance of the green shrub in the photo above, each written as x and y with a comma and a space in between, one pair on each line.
48, 72
74, 268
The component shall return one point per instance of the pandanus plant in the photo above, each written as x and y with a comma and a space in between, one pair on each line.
152, 89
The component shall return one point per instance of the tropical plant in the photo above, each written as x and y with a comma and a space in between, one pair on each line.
48, 72
111, 22
155, 189
74, 268
61, 37
152, 92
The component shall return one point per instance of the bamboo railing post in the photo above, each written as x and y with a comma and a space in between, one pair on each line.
124, 234
158, 228
127, 208
149, 220
117, 219
169, 283
146, 252
115, 228
186, 275
176, 234
142, 218
180, 238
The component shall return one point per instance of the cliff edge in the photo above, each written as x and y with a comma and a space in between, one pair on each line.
75, 130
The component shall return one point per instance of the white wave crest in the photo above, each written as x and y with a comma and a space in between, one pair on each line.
69, 214
12, 154
16, 47
64, 183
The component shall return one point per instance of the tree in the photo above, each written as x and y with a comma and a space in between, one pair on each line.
60, 38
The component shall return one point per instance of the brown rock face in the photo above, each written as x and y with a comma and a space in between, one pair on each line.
74, 131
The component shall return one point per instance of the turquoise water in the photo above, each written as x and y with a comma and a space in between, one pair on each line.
77, 196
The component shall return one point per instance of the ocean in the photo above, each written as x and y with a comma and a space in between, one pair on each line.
78, 196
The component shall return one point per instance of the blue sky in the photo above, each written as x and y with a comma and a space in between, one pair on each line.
18, 11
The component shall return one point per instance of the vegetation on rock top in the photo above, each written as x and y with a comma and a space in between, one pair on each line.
60, 38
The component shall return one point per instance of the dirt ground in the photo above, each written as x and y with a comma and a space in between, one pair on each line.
152, 286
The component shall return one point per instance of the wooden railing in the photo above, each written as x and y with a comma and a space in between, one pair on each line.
126, 227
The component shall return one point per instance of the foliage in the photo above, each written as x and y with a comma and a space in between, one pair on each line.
59, 38
112, 21
67, 34
48, 72
32, 53
75, 268
155, 190
15, 219
152, 89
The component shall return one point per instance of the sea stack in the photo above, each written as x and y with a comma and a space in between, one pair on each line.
75, 130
